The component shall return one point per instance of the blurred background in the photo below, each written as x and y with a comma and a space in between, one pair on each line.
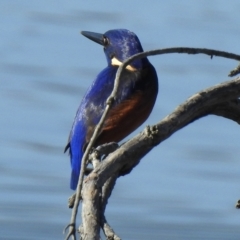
186, 188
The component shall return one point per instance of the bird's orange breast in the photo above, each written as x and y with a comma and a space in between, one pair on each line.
127, 116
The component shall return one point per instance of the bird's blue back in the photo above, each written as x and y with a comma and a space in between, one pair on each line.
132, 85
88, 115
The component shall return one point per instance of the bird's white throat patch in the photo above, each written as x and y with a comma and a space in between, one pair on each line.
116, 62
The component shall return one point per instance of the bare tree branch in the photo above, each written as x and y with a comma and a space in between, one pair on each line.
221, 100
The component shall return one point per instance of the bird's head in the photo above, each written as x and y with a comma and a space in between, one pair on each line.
119, 45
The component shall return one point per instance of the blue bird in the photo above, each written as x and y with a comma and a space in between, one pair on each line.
135, 98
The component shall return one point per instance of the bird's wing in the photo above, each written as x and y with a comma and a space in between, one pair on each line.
92, 106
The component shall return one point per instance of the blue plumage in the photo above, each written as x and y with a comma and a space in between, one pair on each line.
135, 98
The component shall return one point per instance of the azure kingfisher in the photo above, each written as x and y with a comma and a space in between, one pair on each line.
135, 99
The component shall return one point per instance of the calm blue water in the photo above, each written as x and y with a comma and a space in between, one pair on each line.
186, 188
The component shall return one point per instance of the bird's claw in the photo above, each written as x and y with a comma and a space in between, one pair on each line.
107, 148
102, 150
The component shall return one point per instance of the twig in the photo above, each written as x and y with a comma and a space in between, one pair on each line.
210, 52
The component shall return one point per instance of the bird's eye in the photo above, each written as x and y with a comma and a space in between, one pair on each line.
105, 41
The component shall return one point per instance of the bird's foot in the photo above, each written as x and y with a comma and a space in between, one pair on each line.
107, 148
101, 152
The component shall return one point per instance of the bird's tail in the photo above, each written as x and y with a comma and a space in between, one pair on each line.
76, 167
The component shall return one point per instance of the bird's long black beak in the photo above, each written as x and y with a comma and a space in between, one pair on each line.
96, 37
